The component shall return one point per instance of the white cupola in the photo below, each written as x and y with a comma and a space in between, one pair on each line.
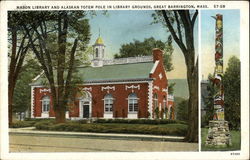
98, 52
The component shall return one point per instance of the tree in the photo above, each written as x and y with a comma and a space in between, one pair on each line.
231, 81
62, 35
209, 102
171, 88
182, 110
22, 94
138, 48
19, 45
180, 24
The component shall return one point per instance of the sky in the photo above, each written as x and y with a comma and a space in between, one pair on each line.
121, 27
231, 38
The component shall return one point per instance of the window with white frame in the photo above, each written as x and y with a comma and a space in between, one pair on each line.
108, 103
45, 104
133, 102
170, 112
165, 104
155, 100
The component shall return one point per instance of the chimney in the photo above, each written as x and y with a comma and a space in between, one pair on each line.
157, 54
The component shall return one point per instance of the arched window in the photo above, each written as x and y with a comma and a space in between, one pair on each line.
45, 104
155, 100
164, 102
170, 110
108, 103
132, 103
165, 106
96, 52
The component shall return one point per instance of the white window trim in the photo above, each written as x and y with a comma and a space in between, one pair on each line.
81, 107
81, 101
133, 108
43, 101
133, 112
104, 107
155, 99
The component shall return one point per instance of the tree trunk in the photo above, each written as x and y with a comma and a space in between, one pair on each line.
188, 51
60, 114
11, 85
10, 101
192, 76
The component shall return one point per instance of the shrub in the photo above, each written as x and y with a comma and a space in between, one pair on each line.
139, 121
163, 129
44, 125
22, 124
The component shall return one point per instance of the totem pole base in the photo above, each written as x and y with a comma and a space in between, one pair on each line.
218, 134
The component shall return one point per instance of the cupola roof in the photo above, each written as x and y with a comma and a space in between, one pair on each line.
99, 41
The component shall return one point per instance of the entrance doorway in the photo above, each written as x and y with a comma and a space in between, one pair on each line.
85, 105
85, 109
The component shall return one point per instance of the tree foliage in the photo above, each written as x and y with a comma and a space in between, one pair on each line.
22, 94
231, 81
171, 88
144, 48
61, 37
18, 48
208, 102
182, 110
180, 24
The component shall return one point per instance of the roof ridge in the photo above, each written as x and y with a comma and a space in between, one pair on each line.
128, 60
114, 64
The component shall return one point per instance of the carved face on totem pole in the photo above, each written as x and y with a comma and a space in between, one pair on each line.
218, 71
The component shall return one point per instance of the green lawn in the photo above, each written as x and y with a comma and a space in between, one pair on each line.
235, 141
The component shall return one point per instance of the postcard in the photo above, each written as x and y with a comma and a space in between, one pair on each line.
124, 80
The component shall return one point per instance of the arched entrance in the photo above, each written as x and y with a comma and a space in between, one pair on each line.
85, 105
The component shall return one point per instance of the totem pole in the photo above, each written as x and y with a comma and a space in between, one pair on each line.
218, 133
218, 72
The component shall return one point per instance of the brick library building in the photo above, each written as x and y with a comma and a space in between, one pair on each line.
134, 87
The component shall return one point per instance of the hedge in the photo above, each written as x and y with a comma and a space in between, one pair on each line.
163, 129
22, 124
139, 121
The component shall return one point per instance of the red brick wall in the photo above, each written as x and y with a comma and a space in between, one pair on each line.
162, 83
120, 95
120, 105
38, 95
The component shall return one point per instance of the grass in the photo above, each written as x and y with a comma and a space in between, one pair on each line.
236, 139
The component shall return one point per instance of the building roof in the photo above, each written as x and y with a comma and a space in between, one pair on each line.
116, 72
99, 41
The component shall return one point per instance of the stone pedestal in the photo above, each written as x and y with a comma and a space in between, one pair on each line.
218, 134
